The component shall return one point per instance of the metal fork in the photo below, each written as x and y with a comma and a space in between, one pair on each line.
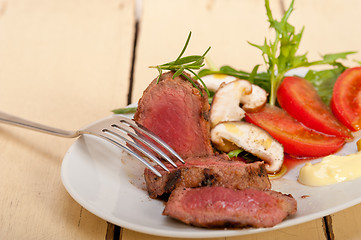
118, 130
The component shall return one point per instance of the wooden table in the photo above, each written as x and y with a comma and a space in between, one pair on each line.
68, 63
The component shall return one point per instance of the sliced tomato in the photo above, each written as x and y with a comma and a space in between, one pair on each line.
297, 140
346, 98
300, 99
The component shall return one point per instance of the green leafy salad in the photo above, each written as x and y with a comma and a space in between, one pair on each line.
280, 56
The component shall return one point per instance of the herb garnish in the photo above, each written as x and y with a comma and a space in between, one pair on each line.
280, 56
126, 110
182, 64
246, 156
179, 66
324, 81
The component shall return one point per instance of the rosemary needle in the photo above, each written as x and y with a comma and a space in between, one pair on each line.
183, 64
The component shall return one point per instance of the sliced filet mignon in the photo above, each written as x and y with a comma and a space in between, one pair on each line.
176, 111
224, 207
207, 171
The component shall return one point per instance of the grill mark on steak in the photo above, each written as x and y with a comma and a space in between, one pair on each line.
211, 207
207, 171
205, 115
209, 178
172, 180
175, 111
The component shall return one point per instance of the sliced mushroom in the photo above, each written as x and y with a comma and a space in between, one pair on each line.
214, 81
227, 136
256, 100
252, 102
225, 105
227, 100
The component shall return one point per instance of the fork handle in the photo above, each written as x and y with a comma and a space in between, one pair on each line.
20, 122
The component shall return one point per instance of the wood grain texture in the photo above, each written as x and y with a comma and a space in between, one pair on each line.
309, 230
65, 64
346, 224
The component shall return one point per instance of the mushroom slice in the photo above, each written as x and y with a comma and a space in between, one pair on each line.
214, 81
253, 139
225, 105
229, 96
256, 100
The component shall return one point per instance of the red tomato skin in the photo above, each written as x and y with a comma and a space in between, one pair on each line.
300, 99
297, 140
346, 98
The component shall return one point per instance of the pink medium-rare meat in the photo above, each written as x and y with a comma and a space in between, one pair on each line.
207, 171
176, 111
224, 207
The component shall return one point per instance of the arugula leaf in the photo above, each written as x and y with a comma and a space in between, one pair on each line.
234, 153
280, 56
246, 156
324, 81
124, 110
261, 79
331, 58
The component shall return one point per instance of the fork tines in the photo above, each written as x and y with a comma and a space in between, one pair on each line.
133, 135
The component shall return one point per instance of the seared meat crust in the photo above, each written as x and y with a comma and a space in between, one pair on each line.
208, 171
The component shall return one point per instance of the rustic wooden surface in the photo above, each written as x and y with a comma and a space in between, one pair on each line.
68, 63
62, 63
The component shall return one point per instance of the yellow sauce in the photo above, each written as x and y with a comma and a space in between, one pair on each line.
232, 128
279, 174
219, 76
332, 169
266, 143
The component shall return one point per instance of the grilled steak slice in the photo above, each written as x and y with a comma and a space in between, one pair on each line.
224, 207
176, 111
207, 171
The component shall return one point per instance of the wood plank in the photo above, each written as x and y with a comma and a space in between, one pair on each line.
128, 235
65, 64
346, 224
226, 26
309, 230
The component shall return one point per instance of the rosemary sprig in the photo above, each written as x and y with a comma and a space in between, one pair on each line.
182, 64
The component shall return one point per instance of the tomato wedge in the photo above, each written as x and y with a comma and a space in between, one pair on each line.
297, 140
346, 98
300, 99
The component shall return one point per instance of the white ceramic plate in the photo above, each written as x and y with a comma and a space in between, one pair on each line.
109, 183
